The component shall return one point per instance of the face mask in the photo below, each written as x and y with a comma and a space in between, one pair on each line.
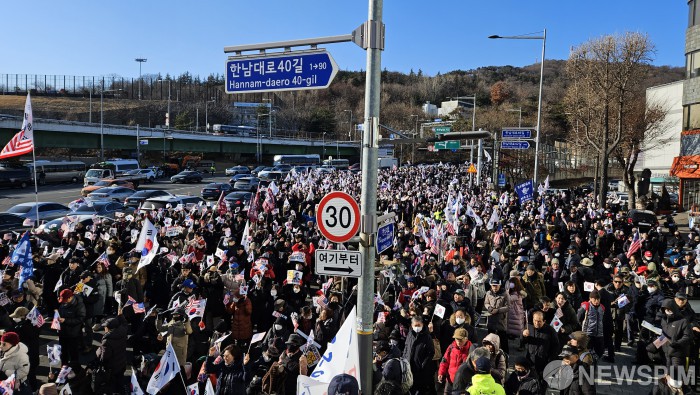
607, 265
297, 290
511, 285
235, 300
669, 312
278, 327
16, 319
417, 329
675, 279
459, 320
521, 374
651, 289
273, 293
394, 342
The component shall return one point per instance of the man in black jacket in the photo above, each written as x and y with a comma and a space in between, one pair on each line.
87, 287
678, 335
541, 342
72, 313
419, 352
112, 352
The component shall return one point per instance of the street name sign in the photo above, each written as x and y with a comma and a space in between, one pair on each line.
338, 217
450, 144
443, 129
516, 133
343, 263
515, 144
501, 180
280, 72
385, 237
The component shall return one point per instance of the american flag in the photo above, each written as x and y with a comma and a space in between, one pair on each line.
498, 235
450, 228
103, 259
22, 142
636, 244
36, 318
138, 307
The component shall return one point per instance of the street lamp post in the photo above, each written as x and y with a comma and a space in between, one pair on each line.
141, 61
543, 37
269, 115
324, 146
206, 114
102, 133
350, 131
167, 115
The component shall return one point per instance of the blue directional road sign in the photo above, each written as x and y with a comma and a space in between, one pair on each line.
274, 73
516, 133
515, 144
385, 237
501, 180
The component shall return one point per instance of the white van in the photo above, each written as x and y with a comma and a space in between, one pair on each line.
109, 169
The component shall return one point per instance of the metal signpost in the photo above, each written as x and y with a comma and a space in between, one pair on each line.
283, 72
515, 144
343, 263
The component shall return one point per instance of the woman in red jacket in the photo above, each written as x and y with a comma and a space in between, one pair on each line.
455, 355
240, 309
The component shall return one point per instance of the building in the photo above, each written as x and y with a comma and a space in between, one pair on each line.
659, 157
430, 110
686, 166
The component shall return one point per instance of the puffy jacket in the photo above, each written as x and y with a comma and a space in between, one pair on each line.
419, 351
112, 351
229, 379
452, 359
178, 333
542, 345
578, 386
484, 384
678, 331
569, 319
73, 314
241, 326
529, 385
498, 358
497, 305
16, 361
516, 314
104, 291
591, 319
534, 286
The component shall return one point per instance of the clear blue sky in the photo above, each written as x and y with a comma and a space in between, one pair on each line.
103, 37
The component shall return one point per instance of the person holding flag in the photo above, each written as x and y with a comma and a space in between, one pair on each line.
72, 316
229, 371
112, 351
29, 335
15, 361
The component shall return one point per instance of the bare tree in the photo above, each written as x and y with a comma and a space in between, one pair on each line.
606, 72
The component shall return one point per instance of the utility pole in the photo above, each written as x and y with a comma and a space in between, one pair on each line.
141, 61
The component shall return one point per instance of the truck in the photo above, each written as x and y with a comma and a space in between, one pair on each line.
387, 163
110, 170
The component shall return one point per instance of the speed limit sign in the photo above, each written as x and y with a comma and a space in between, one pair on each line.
338, 217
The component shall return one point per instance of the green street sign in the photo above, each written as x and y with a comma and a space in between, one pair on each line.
450, 144
443, 129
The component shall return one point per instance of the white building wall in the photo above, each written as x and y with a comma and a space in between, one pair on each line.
659, 158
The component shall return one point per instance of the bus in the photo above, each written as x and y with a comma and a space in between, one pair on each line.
64, 171
234, 130
297, 160
339, 164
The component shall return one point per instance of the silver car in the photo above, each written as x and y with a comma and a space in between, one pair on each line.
47, 210
249, 184
114, 194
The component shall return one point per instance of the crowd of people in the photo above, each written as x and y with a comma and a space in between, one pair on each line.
474, 276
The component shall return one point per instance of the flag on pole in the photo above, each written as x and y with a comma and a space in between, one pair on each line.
167, 369
195, 308
134, 387
35, 317
221, 205
55, 323
22, 142
147, 244
192, 389
22, 256
54, 354
636, 244
209, 389
58, 286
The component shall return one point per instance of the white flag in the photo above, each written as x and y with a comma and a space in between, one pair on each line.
439, 311
146, 238
493, 220
66, 390
134, 387
167, 369
209, 389
54, 354
246, 232
193, 389
58, 286
146, 259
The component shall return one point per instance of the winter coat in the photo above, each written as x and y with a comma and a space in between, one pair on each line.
419, 352
529, 385
90, 300
241, 326
651, 306
516, 314
452, 359
16, 361
178, 336
229, 379
569, 319
74, 315
497, 305
534, 286
579, 387
542, 346
104, 290
112, 351
33, 291
591, 319
678, 331
485, 384
498, 358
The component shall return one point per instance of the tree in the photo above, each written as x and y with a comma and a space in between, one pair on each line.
605, 73
183, 121
500, 93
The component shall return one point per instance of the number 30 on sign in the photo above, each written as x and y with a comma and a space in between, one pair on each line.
338, 217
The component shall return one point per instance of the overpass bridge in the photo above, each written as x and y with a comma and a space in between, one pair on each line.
84, 137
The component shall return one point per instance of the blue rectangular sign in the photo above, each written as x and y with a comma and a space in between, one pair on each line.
516, 133
515, 144
385, 237
307, 70
501, 180
525, 191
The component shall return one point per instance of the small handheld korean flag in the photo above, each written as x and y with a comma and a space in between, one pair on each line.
55, 323
439, 311
167, 369
54, 354
134, 387
557, 324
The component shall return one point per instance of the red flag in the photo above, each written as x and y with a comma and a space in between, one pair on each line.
221, 204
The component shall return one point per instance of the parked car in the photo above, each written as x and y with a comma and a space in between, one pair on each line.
145, 175
165, 202
19, 176
238, 200
100, 209
115, 194
186, 176
257, 170
47, 210
231, 171
11, 222
283, 168
247, 184
272, 175
642, 219
106, 183
237, 177
140, 196
325, 169
215, 189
